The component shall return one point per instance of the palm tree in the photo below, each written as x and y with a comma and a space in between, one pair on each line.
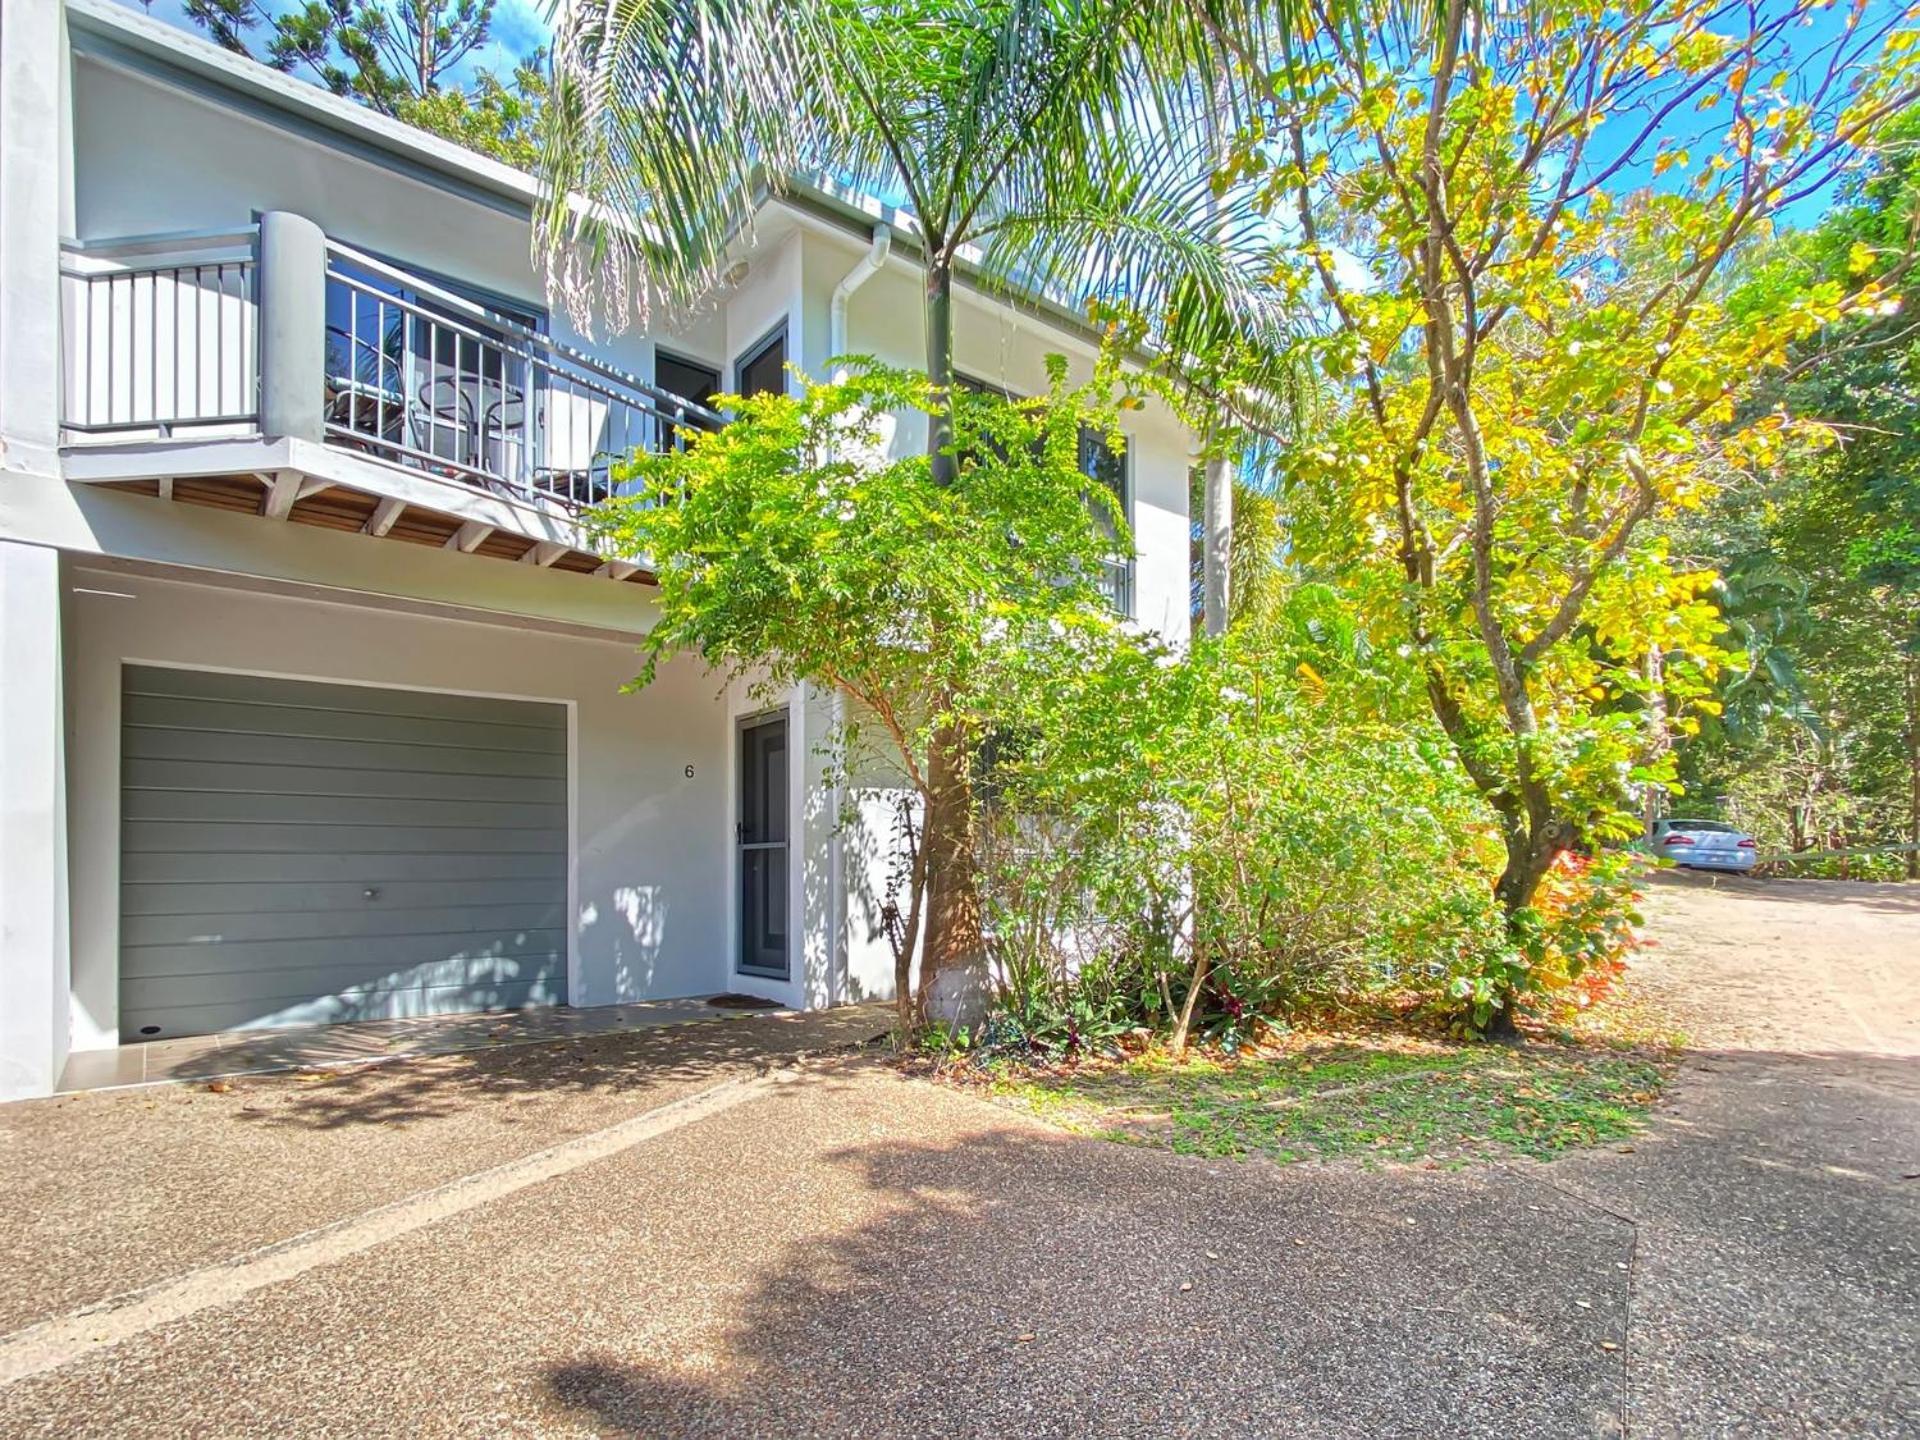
1058, 145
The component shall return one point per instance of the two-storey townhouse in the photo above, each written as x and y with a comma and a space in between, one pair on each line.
310, 684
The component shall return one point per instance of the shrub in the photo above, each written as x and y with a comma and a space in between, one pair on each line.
1280, 833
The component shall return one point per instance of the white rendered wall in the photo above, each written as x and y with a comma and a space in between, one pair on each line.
32, 147
650, 903
33, 897
140, 161
768, 299
144, 165
93, 520
993, 343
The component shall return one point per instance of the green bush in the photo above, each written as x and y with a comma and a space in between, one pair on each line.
1243, 805
1815, 866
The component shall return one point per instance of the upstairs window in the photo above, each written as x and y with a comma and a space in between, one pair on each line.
763, 369
362, 334
1110, 498
688, 379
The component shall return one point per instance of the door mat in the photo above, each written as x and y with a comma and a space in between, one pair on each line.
731, 1001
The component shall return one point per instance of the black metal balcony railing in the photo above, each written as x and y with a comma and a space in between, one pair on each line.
165, 339
421, 376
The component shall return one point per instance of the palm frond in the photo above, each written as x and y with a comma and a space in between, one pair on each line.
1131, 220
663, 120
1072, 141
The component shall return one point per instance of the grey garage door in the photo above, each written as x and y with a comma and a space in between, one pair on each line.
296, 853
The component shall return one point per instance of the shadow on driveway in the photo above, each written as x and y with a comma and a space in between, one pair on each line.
104, 1192
1008, 1280
406, 1093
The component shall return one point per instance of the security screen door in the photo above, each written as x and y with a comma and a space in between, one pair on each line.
762, 832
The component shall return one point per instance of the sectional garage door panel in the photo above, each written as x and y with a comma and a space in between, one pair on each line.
297, 853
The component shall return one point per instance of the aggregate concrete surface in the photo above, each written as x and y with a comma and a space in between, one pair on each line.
842, 1251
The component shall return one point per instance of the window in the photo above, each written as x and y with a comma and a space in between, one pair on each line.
1111, 503
688, 379
982, 387
763, 370
357, 325
412, 371
1108, 498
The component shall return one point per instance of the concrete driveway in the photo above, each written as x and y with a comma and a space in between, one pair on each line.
689, 1232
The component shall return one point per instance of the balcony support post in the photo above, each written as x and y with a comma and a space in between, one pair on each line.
293, 327
35, 971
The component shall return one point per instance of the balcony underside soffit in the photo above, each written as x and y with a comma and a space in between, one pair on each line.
299, 499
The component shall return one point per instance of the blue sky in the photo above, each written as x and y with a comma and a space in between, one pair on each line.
518, 26
521, 25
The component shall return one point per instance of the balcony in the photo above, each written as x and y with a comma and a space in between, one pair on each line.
275, 369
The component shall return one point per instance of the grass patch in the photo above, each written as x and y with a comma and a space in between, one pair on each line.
1355, 1099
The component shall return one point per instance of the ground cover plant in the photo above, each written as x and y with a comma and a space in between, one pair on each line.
1382, 1098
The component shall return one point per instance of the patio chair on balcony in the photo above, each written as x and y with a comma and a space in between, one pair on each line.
442, 421
574, 458
358, 399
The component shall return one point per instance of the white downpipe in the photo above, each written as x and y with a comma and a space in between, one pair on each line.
864, 269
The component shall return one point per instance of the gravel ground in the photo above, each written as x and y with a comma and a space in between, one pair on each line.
854, 1253
1777, 1275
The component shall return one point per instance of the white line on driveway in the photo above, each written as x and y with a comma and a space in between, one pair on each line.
51, 1344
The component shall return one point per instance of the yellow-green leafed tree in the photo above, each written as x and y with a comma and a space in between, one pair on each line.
1517, 227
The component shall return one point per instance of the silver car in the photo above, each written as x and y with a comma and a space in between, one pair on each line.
1705, 845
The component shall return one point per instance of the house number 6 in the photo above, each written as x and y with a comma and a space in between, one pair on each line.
689, 772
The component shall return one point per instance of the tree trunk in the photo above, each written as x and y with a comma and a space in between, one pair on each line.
1216, 541
1659, 738
953, 957
1183, 1026
939, 318
1913, 766
953, 972
1531, 852
905, 1009
1530, 855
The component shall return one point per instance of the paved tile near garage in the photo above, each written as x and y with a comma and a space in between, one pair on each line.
261, 1052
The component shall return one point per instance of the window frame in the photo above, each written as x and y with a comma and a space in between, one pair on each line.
1117, 579
668, 437
754, 353
1122, 569
676, 357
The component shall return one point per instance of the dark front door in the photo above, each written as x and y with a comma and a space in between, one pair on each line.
763, 847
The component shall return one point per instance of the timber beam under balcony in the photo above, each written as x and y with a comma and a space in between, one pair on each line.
298, 482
